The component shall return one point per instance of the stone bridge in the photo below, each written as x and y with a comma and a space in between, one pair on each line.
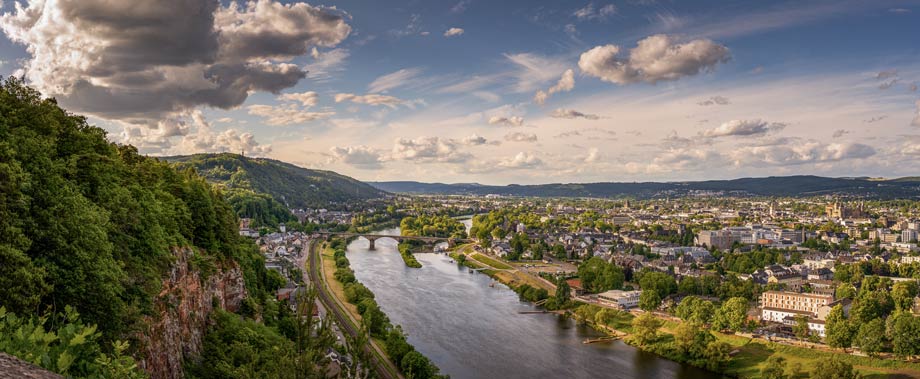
451, 242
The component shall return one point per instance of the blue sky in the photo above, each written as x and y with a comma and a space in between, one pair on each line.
492, 92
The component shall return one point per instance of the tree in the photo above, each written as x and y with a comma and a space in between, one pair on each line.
658, 281
845, 291
774, 369
645, 328
905, 334
732, 315
838, 331
415, 366
800, 329
871, 337
563, 292
691, 339
833, 369
694, 309
649, 300
598, 275
903, 294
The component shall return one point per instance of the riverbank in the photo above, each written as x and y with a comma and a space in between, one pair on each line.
750, 354
366, 312
504, 273
406, 249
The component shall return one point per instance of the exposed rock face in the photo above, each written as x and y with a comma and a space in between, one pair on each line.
184, 305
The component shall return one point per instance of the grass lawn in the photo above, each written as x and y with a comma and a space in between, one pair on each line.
495, 263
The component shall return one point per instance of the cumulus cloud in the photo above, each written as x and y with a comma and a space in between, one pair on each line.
506, 121
888, 84
358, 156
205, 139
521, 161
521, 137
840, 133
286, 114
144, 61
656, 58
741, 128
588, 12
393, 80
594, 155
307, 99
565, 84
797, 152
371, 99
453, 32
429, 149
571, 113
474, 140
715, 100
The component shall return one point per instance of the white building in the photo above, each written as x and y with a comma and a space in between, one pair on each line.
620, 299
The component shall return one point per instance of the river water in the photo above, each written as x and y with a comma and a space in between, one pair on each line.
472, 330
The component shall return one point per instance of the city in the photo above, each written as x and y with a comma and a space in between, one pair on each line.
466, 189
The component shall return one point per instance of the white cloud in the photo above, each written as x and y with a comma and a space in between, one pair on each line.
307, 99
474, 140
393, 80
358, 156
521, 161
565, 84
588, 12
287, 114
370, 99
797, 152
460, 7
715, 100
533, 70
742, 128
124, 60
655, 58
521, 137
453, 32
571, 113
506, 121
326, 65
594, 155
429, 149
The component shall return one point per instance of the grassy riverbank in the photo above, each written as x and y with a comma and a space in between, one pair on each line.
498, 270
365, 310
751, 353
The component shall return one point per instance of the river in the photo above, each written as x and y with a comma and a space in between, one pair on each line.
472, 330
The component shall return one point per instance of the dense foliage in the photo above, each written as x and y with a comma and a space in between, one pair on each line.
91, 225
432, 226
293, 186
412, 363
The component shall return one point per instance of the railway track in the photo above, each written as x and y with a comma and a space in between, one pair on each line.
381, 366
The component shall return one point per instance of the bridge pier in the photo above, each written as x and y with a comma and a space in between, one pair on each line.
371, 245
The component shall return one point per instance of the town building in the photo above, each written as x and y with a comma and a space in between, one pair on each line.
620, 299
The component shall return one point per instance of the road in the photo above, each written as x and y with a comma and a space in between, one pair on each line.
382, 366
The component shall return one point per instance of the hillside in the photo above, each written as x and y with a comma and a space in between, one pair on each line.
99, 244
293, 186
794, 186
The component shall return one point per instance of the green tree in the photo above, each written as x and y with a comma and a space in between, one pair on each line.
871, 337
649, 300
694, 309
691, 339
563, 292
732, 315
774, 369
658, 281
838, 331
645, 328
904, 331
833, 369
800, 329
415, 366
598, 275
903, 294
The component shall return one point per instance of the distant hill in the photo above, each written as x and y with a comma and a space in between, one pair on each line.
293, 186
794, 186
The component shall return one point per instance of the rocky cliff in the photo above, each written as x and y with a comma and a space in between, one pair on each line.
184, 305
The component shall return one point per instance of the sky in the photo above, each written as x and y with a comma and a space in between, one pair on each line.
493, 92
